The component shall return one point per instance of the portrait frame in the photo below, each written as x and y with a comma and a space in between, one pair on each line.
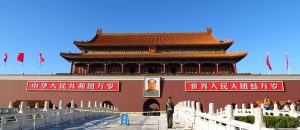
146, 91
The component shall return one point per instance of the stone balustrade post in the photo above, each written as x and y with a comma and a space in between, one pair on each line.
229, 113
293, 112
262, 106
100, 104
104, 108
193, 106
46, 106
89, 104
243, 108
107, 108
95, 104
60, 106
292, 107
275, 106
184, 104
72, 111
81, 104
72, 104
259, 119
53, 106
36, 105
236, 109
112, 109
198, 106
252, 108
276, 110
211, 108
23, 107
188, 104
10, 105
186, 108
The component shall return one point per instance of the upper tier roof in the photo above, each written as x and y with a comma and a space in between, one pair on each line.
153, 39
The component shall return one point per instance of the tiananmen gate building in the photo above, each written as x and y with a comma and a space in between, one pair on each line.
159, 53
116, 68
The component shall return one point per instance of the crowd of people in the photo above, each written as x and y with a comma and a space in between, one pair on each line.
285, 106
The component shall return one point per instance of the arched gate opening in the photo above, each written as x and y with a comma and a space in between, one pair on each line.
151, 105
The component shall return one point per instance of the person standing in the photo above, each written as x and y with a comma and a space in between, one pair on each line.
170, 111
266, 103
298, 106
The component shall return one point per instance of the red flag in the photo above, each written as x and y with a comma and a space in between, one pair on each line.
20, 57
268, 62
41, 58
287, 61
152, 49
5, 56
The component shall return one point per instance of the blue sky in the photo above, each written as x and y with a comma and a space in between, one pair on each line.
51, 26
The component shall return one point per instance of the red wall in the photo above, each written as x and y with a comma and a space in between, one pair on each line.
130, 97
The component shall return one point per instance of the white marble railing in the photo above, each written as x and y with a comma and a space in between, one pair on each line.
189, 113
243, 111
32, 118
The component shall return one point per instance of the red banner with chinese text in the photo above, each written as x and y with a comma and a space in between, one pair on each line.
234, 86
73, 85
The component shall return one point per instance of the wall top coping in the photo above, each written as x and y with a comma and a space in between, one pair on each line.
59, 77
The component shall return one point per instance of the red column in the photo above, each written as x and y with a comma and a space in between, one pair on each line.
88, 68
199, 68
181, 68
104, 68
139, 71
234, 66
72, 68
164, 68
122, 70
217, 68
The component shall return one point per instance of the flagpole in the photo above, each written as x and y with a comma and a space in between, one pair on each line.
40, 68
268, 63
287, 62
22, 69
4, 70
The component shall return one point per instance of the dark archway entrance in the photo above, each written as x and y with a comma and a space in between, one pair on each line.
151, 105
108, 103
69, 105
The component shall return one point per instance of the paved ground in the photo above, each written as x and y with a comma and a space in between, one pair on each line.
136, 122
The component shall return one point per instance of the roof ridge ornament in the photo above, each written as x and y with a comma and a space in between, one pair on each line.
209, 30
99, 31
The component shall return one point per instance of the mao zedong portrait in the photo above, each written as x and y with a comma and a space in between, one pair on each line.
150, 89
